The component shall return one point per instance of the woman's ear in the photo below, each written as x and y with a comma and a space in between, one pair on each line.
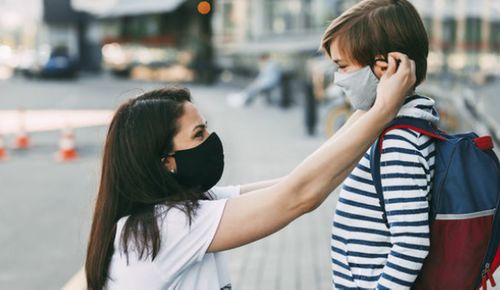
170, 164
380, 66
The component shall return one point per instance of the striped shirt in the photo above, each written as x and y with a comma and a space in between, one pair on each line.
365, 253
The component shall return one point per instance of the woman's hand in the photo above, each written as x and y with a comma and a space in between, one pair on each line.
396, 83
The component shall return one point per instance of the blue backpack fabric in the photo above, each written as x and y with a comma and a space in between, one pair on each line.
464, 206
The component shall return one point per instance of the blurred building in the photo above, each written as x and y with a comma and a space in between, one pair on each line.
288, 29
464, 34
271, 25
153, 39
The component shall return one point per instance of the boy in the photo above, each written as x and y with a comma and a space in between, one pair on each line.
366, 253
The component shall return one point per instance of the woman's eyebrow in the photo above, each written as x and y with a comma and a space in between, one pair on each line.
200, 126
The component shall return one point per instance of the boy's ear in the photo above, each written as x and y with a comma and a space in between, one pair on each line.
380, 66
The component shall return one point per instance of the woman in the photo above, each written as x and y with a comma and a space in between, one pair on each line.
369, 251
158, 221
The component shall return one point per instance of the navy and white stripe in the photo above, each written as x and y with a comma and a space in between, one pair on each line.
365, 253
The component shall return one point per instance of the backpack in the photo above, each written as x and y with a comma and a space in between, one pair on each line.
464, 203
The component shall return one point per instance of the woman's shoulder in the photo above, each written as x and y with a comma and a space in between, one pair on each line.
177, 217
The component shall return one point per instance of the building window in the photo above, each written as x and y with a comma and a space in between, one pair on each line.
294, 16
473, 33
495, 36
285, 16
449, 33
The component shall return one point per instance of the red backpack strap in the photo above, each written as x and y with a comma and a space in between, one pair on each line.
417, 125
494, 267
484, 142
487, 273
492, 259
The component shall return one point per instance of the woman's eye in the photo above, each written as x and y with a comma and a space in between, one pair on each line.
199, 134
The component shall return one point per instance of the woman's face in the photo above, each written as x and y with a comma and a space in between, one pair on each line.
346, 65
192, 132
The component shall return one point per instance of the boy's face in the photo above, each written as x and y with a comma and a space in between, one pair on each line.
347, 65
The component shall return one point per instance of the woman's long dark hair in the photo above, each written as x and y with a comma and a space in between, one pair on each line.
134, 180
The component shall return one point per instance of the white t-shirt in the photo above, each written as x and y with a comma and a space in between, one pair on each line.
182, 262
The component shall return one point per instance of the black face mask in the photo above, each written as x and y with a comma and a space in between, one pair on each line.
200, 167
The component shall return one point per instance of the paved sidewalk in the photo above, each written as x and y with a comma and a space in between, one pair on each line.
298, 257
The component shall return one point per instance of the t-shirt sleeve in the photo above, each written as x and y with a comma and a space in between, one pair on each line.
225, 192
182, 244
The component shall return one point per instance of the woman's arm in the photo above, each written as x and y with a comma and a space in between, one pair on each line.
354, 117
249, 187
253, 216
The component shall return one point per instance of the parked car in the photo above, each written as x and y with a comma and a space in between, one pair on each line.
58, 64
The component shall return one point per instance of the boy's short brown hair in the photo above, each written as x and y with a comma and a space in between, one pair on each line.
377, 27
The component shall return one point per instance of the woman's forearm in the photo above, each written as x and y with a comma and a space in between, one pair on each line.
249, 187
354, 117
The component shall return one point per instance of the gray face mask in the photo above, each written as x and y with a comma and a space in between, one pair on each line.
360, 87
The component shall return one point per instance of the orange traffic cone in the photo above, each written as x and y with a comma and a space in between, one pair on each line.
22, 139
3, 151
67, 150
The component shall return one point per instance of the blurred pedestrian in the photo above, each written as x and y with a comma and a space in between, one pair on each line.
369, 250
159, 222
268, 79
